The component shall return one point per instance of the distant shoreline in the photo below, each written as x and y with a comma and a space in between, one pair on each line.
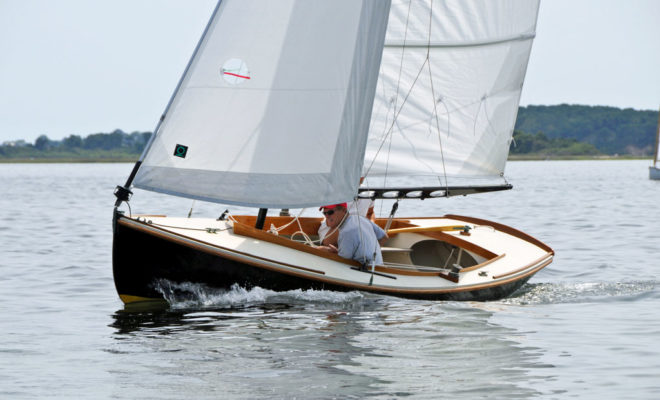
524, 157
46, 160
65, 160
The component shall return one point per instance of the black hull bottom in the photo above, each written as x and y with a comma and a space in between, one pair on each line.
141, 259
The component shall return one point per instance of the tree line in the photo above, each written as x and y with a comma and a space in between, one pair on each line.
115, 146
540, 131
608, 130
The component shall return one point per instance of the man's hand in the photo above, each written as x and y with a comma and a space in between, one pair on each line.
329, 248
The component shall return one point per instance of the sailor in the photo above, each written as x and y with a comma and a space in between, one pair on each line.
363, 207
358, 239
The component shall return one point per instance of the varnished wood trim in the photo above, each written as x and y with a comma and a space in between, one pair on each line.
503, 228
483, 264
246, 230
515, 271
396, 223
418, 229
309, 225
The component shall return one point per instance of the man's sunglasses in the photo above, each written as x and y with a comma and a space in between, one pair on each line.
329, 212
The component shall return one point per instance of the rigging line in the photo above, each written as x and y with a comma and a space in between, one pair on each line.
414, 151
387, 111
387, 163
435, 104
403, 50
387, 167
490, 124
191, 208
364, 256
396, 98
460, 107
276, 231
389, 131
214, 230
295, 219
476, 117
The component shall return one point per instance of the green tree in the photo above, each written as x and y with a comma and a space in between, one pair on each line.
43, 143
610, 130
104, 141
72, 142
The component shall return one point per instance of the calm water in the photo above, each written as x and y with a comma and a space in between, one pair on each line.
586, 327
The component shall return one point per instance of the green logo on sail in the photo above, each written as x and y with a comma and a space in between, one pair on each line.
180, 150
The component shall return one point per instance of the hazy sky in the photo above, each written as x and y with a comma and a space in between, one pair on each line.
82, 66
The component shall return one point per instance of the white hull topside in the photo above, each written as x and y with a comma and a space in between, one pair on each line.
418, 256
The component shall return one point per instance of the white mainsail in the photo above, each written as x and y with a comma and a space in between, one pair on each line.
274, 108
449, 89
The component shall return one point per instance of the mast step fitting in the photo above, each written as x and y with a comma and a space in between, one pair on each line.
122, 194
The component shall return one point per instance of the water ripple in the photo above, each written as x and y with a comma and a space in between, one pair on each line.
570, 292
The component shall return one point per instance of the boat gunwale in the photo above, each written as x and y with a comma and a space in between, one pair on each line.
505, 229
261, 262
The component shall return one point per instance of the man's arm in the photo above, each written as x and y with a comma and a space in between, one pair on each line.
381, 235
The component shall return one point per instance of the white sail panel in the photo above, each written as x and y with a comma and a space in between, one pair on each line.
274, 108
449, 88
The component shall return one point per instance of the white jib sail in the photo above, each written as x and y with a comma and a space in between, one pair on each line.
274, 108
449, 89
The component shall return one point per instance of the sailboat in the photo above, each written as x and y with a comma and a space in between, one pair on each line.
287, 104
654, 170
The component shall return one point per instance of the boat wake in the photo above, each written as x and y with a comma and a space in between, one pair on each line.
196, 295
560, 293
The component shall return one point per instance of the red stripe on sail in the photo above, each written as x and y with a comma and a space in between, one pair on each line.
236, 75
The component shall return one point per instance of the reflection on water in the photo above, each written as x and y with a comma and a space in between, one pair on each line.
318, 344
